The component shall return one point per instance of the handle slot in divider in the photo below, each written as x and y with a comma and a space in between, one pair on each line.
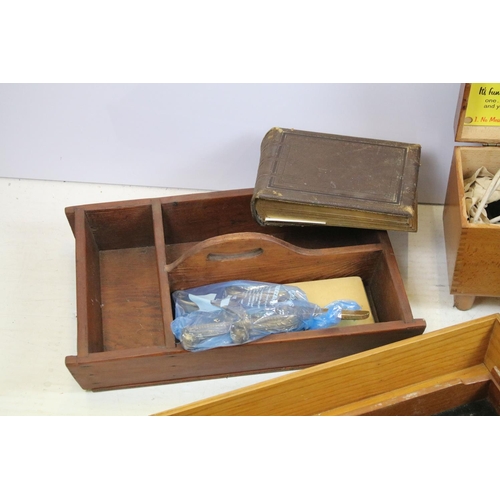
262, 257
234, 256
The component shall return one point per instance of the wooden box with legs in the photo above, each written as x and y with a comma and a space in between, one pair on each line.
472, 247
132, 255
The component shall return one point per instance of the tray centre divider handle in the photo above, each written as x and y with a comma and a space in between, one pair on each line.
263, 257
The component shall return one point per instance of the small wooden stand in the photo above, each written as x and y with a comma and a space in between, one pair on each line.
472, 249
130, 257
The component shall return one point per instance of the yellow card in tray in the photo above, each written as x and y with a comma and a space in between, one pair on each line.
322, 292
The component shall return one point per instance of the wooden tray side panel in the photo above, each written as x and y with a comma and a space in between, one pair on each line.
356, 377
278, 352
127, 227
193, 219
387, 288
190, 219
88, 288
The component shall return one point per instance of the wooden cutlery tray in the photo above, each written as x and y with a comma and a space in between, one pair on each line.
131, 255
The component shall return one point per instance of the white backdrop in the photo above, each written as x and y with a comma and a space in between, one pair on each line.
207, 136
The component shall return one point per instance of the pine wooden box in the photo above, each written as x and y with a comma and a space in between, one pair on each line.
131, 255
472, 252
425, 375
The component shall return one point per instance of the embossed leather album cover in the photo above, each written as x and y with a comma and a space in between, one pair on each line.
315, 178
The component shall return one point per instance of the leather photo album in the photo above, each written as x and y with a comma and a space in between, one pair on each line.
312, 178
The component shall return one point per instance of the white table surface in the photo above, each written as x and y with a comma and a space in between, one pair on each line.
38, 302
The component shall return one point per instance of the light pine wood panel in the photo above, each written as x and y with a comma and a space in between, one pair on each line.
361, 376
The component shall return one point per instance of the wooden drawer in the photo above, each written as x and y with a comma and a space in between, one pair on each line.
131, 255
432, 374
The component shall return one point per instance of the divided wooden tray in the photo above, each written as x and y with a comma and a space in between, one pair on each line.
426, 375
131, 255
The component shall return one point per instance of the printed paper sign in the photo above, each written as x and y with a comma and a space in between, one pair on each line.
483, 107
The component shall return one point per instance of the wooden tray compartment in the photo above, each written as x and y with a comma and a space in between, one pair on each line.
471, 249
425, 375
130, 257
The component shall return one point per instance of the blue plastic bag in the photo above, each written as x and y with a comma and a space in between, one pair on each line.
237, 312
